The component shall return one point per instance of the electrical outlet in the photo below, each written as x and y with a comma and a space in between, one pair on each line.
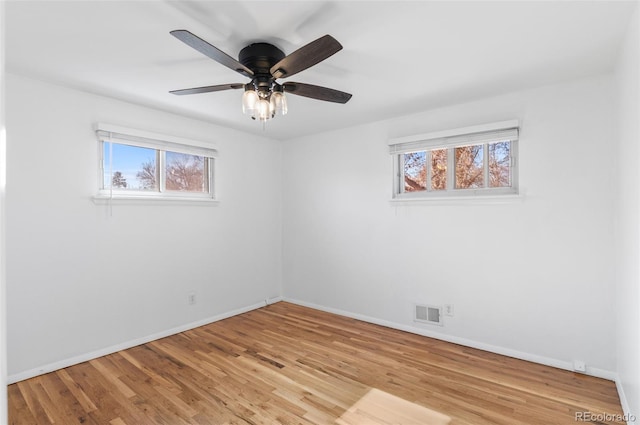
448, 310
579, 366
191, 298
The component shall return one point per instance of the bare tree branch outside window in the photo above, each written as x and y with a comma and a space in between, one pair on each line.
415, 171
185, 172
147, 175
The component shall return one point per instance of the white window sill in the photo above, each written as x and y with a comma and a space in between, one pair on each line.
460, 200
153, 200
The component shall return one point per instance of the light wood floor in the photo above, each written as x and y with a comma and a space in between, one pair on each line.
293, 365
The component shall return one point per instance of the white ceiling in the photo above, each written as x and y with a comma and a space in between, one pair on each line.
398, 57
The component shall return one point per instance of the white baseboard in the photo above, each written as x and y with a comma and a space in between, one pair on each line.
547, 361
61, 364
631, 419
600, 373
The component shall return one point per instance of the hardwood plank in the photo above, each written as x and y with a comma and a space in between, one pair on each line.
19, 407
77, 391
287, 364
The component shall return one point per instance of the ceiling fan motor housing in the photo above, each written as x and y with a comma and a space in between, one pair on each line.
260, 57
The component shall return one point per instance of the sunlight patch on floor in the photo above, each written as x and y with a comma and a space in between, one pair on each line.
380, 408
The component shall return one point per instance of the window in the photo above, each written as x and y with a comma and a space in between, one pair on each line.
475, 161
135, 164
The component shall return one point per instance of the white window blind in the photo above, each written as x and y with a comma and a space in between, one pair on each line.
465, 136
114, 134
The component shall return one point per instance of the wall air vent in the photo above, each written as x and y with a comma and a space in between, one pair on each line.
428, 314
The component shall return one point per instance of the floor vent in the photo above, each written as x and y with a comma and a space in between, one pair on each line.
428, 314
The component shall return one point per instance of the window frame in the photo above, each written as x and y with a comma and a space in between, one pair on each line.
162, 144
450, 140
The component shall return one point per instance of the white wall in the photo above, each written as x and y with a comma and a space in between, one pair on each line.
80, 280
531, 278
628, 219
3, 175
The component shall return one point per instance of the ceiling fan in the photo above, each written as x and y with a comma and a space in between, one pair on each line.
264, 63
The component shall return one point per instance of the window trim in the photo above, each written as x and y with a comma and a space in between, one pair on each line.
450, 139
107, 133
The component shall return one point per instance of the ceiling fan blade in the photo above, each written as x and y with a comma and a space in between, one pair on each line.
306, 57
316, 92
211, 51
207, 89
